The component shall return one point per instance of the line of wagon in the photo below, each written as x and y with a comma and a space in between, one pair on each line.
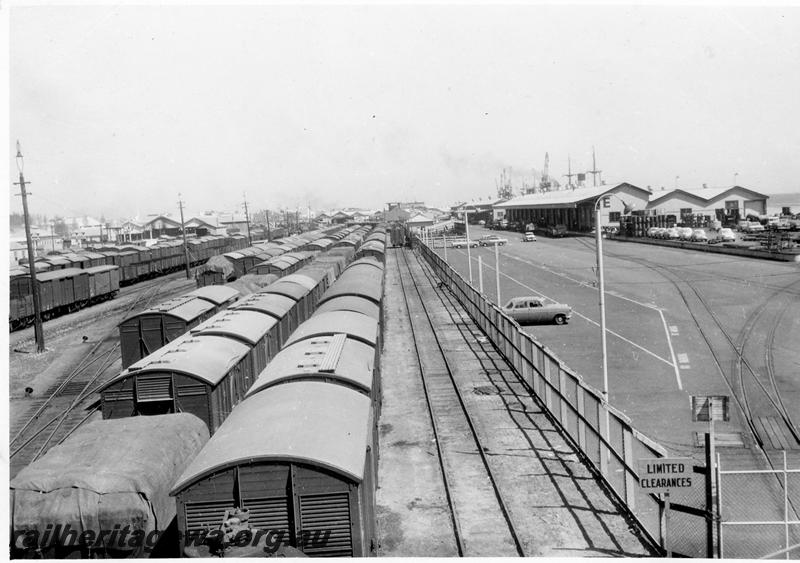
286, 381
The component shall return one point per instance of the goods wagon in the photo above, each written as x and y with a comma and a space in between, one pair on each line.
145, 332
354, 325
82, 487
280, 307
217, 271
298, 458
200, 374
355, 303
374, 249
259, 332
103, 282
397, 235
363, 278
297, 290
221, 296
320, 244
252, 283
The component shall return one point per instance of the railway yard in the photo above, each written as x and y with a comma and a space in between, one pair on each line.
353, 395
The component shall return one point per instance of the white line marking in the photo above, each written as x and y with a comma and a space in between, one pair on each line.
671, 351
595, 323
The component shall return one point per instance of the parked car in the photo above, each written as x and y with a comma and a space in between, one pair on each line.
699, 235
726, 235
754, 227
652, 232
529, 237
532, 309
462, 242
491, 240
671, 234
685, 233
557, 230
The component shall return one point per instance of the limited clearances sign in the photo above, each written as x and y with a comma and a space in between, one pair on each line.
665, 475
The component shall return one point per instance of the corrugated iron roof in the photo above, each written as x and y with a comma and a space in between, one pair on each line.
217, 294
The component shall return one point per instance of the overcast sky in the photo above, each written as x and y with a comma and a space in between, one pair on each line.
120, 108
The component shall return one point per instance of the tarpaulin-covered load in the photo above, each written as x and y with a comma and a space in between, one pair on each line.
252, 283
218, 264
109, 475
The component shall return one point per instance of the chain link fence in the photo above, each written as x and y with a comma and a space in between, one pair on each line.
759, 512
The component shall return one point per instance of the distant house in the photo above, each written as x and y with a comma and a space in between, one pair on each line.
341, 218
162, 225
323, 219
419, 220
199, 227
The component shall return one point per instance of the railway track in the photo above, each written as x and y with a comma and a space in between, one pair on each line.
761, 408
71, 401
482, 524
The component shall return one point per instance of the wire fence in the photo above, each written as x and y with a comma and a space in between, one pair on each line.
768, 528
601, 433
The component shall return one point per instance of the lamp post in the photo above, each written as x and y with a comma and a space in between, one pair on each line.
469, 254
601, 284
601, 290
735, 176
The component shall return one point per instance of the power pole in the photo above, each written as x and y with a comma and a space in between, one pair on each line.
38, 330
594, 172
185, 247
269, 232
247, 219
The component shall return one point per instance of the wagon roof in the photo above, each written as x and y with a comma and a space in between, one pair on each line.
272, 304
355, 303
204, 357
217, 294
58, 274
185, 308
353, 324
287, 287
308, 279
55, 260
249, 326
309, 422
335, 356
101, 269
367, 284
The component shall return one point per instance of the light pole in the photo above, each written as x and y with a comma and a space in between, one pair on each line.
735, 176
469, 254
601, 284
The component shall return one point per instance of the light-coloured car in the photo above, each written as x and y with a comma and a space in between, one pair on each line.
533, 309
492, 240
652, 232
685, 233
462, 242
672, 234
754, 227
699, 235
529, 237
726, 235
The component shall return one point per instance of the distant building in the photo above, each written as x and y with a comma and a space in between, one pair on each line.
726, 204
575, 208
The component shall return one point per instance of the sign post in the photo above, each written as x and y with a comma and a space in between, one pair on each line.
444, 244
480, 273
661, 476
708, 408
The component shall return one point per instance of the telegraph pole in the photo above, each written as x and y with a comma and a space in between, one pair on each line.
269, 232
569, 175
247, 219
185, 247
38, 330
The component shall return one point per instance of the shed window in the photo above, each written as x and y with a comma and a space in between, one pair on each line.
686, 211
614, 216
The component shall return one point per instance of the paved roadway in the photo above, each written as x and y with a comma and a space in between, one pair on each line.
666, 309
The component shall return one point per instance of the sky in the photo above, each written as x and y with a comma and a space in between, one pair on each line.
119, 108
